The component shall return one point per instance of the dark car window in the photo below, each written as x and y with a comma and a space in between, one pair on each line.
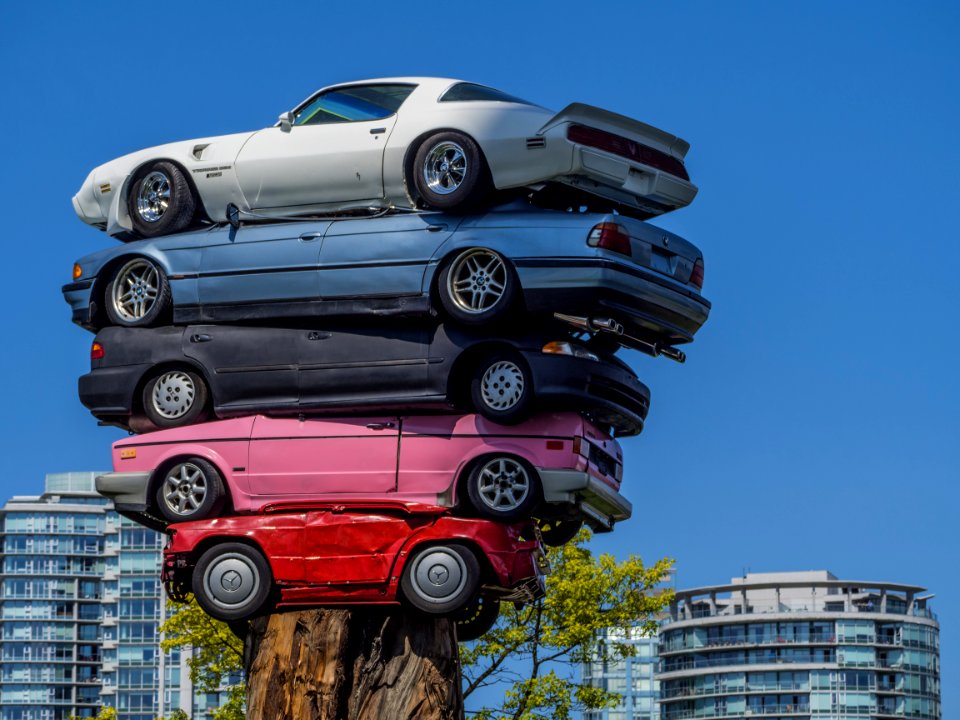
350, 104
472, 91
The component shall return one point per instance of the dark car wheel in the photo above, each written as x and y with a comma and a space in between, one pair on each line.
138, 294
477, 286
502, 388
449, 172
160, 201
232, 581
173, 398
441, 579
190, 490
556, 533
476, 619
503, 488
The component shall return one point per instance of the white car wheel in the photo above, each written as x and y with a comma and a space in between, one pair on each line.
449, 172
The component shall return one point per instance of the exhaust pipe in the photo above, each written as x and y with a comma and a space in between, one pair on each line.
612, 327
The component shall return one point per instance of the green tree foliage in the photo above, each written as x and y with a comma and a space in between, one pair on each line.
213, 653
531, 650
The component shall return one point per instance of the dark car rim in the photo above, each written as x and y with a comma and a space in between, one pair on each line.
477, 281
174, 394
153, 197
136, 289
439, 574
185, 488
503, 484
502, 385
231, 581
445, 168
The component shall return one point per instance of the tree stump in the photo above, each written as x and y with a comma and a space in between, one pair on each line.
362, 664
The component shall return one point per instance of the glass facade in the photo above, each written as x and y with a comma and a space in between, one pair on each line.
633, 677
80, 603
800, 645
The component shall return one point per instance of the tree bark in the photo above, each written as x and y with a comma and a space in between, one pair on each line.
363, 664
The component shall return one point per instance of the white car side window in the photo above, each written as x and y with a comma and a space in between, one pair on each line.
353, 104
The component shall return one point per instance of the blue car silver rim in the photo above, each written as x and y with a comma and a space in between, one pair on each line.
501, 386
153, 197
136, 289
503, 484
231, 580
439, 574
173, 394
477, 281
445, 168
184, 489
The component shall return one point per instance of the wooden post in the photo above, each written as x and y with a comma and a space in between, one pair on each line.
363, 664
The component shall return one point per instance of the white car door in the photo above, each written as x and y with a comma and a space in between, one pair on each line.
332, 152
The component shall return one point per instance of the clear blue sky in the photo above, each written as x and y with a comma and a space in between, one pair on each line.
815, 424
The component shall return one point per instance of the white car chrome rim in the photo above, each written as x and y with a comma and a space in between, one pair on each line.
477, 281
136, 289
231, 580
503, 484
445, 168
439, 574
184, 489
502, 385
153, 197
173, 395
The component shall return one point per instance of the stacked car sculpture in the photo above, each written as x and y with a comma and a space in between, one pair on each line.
370, 350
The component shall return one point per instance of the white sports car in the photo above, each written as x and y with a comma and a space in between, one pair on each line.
394, 142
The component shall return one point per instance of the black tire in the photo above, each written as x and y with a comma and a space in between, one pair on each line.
449, 172
190, 489
501, 388
476, 619
175, 397
138, 294
232, 581
503, 488
441, 579
477, 286
160, 200
557, 533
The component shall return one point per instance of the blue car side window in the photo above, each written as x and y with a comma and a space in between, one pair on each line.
353, 104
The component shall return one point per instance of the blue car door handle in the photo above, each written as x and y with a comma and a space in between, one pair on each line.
307, 237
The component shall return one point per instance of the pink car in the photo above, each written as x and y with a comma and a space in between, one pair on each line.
559, 468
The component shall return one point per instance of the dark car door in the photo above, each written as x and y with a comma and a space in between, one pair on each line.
361, 365
380, 257
249, 367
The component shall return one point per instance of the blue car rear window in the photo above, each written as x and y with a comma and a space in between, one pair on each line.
352, 104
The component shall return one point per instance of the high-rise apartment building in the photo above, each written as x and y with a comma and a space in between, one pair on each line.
800, 645
80, 602
633, 677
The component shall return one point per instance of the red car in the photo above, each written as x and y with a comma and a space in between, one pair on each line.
356, 552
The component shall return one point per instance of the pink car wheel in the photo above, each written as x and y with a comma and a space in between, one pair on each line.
503, 488
190, 490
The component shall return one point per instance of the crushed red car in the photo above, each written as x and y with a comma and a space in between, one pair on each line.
345, 553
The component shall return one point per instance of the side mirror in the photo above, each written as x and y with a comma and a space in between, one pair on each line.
286, 121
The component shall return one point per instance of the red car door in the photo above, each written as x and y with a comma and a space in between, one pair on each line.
354, 547
293, 459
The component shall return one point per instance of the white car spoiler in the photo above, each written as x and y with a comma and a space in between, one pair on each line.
601, 119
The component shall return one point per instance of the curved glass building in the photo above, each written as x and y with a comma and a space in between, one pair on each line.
800, 645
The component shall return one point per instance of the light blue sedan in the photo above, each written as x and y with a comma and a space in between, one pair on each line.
605, 270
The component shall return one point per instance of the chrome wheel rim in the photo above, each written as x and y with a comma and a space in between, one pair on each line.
184, 489
136, 289
153, 196
439, 574
503, 484
477, 281
231, 580
502, 385
173, 394
445, 168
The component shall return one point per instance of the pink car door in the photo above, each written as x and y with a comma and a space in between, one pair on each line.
431, 450
292, 459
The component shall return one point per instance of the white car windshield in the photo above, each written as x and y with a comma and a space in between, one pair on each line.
352, 104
